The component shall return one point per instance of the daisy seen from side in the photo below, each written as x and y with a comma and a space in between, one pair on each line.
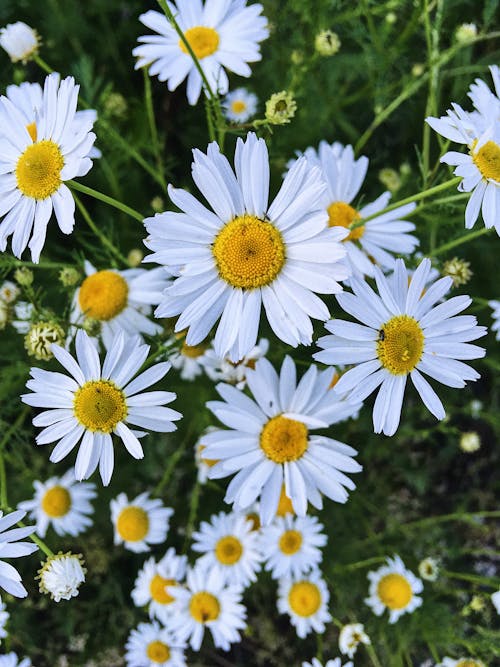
19, 41
62, 575
394, 588
150, 645
305, 599
239, 105
140, 522
10, 547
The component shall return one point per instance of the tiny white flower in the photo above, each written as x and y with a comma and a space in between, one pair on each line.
140, 522
394, 588
351, 635
61, 576
19, 41
428, 569
150, 645
239, 105
9, 291
305, 600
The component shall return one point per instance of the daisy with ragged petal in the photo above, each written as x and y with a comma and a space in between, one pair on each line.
10, 547
245, 253
351, 635
403, 333
305, 599
35, 160
93, 402
150, 586
270, 441
140, 522
222, 36
394, 588
150, 645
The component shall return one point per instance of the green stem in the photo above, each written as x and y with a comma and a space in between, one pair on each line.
102, 237
172, 462
43, 65
106, 199
193, 508
491, 582
40, 543
460, 241
148, 96
364, 563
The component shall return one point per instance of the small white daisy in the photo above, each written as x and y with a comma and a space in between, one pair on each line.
19, 41
119, 300
246, 254
428, 569
351, 635
239, 105
139, 522
61, 502
10, 579
9, 291
229, 545
336, 662
149, 588
190, 360
61, 576
403, 333
461, 662
12, 660
150, 645
97, 401
270, 441
225, 370
394, 588
207, 603
495, 600
375, 241
4, 617
222, 36
35, 160
496, 317
305, 600
292, 545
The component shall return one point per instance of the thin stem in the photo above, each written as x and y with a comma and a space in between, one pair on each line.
148, 97
43, 65
460, 241
40, 543
492, 582
106, 199
193, 508
102, 237
172, 462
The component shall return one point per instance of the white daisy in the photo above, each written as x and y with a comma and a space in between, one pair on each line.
222, 36
461, 662
189, 360
351, 635
375, 241
245, 253
485, 101
19, 41
230, 372
12, 660
394, 588
35, 160
496, 317
149, 588
61, 576
336, 662
239, 105
150, 645
61, 502
139, 522
207, 603
95, 402
10, 580
305, 600
9, 291
270, 441
291, 545
119, 301
4, 617
403, 334
229, 545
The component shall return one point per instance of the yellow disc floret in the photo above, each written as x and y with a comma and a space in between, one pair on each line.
158, 652
238, 106
157, 589
283, 439
204, 607
56, 501
249, 252
203, 41
304, 598
38, 170
394, 591
132, 524
103, 295
400, 344
228, 550
487, 160
290, 542
343, 215
99, 405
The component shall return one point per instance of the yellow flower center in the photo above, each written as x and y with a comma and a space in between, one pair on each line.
228, 550
290, 542
103, 295
468, 662
487, 160
249, 252
157, 589
283, 439
132, 524
32, 131
158, 652
400, 344
394, 591
285, 504
56, 501
204, 607
192, 351
304, 598
342, 215
202, 40
38, 170
99, 405
238, 106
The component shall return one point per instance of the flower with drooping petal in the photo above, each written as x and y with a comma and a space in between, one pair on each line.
10, 579
351, 635
150, 645
394, 588
139, 522
62, 575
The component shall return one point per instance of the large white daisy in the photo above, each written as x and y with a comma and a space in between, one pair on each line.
403, 333
305, 599
150, 645
10, 579
270, 440
35, 160
94, 402
394, 588
246, 253
222, 35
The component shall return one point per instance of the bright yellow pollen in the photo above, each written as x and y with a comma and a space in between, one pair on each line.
158, 652
56, 501
203, 41
487, 160
283, 439
32, 130
290, 542
394, 591
238, 106
343, 215
38, 170
204, 607
103, 295
228, 550
99, 405
304, 598
132, 524
285, 504
192, 351
400, 345
249, 252
157, 589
